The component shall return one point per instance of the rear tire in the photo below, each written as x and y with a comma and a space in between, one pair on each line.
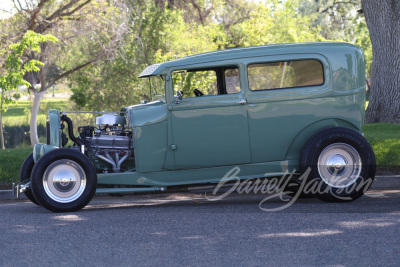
25, 174
64, 180
341, 164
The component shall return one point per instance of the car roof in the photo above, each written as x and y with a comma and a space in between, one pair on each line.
247, 52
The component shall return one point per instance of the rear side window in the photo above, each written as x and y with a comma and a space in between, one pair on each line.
285, 74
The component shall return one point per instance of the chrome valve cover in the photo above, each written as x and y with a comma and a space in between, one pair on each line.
105, 141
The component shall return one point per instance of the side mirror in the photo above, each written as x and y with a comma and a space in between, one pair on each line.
178, 96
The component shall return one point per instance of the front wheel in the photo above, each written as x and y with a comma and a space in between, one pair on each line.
25, 174
64, 180
340, 164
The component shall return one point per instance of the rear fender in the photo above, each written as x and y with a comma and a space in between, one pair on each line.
304, 135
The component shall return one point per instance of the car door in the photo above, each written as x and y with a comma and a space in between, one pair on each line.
212, 129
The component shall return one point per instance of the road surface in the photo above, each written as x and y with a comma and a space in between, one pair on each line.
186, 229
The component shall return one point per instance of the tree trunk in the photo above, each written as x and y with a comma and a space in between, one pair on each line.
1, 120
383, 21
1, 131
37, 97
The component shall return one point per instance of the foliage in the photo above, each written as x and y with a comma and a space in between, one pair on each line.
96, 27
153, 33
10, 164
362, 40
274, 24
163, 30
186, 82
15, 68
18, 115
16, 121
16, 96
17, 136
163, 33
340, 21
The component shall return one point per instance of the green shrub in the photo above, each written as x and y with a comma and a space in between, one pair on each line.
17, 96
10, 164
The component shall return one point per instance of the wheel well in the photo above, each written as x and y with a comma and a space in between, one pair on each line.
304, 135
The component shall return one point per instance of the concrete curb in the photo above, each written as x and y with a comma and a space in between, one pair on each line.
381, 182
8, 195
386, 182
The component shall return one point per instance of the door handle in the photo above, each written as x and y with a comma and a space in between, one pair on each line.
241, 102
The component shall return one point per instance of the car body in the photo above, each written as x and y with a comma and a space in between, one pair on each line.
260, 109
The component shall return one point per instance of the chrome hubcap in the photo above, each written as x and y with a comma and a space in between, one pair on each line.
339, 165
64, 181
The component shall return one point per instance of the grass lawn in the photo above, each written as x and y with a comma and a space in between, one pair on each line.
20, 114
10, 163
385, 140
17, 115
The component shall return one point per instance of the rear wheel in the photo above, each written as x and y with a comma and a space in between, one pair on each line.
25, 174
341, 165
64, 180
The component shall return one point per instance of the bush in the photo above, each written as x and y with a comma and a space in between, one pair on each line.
18, 136
10, 163
17, 96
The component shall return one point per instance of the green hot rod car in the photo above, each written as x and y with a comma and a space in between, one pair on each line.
265, 111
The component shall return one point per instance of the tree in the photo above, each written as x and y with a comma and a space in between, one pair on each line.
155, 31
335, 17
15, 69
383, 20
95, 26
273, 24
165, 30
339, 20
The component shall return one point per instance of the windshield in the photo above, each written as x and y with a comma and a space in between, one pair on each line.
157, 88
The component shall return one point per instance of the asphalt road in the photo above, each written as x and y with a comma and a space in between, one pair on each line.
188, 230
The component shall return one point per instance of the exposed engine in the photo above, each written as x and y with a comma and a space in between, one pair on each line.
109, 141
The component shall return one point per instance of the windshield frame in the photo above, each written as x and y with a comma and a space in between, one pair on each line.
157, 87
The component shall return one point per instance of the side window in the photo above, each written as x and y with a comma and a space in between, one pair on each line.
285, 74
215, 81
232, 81
188, 81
